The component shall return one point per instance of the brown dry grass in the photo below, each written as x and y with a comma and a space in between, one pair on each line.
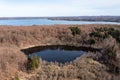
40, 35
11, 61
14, 38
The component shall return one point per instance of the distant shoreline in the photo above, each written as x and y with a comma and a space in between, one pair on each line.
71, 18
29, 21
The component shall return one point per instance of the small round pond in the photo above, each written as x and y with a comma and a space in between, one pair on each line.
57, 53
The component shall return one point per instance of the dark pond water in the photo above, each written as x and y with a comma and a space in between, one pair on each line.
29, 22
58, 53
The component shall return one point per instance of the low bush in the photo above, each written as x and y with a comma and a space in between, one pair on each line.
104, 33
32, 63
110, 53
109, 58
95, 34
16, 77
115, 34
99, 35
101, 29
91, 41
75, 30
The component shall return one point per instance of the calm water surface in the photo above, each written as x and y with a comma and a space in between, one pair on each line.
29, 22
59, 55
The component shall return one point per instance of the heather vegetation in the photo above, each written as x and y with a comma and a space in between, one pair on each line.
101, 65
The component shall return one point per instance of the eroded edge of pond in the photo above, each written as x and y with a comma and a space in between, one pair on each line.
31, 50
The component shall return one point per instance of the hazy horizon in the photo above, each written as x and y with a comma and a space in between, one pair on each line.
58, 16
55, 8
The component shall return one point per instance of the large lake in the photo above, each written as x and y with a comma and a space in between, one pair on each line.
29, 22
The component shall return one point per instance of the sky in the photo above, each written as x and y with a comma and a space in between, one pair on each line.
49, 8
